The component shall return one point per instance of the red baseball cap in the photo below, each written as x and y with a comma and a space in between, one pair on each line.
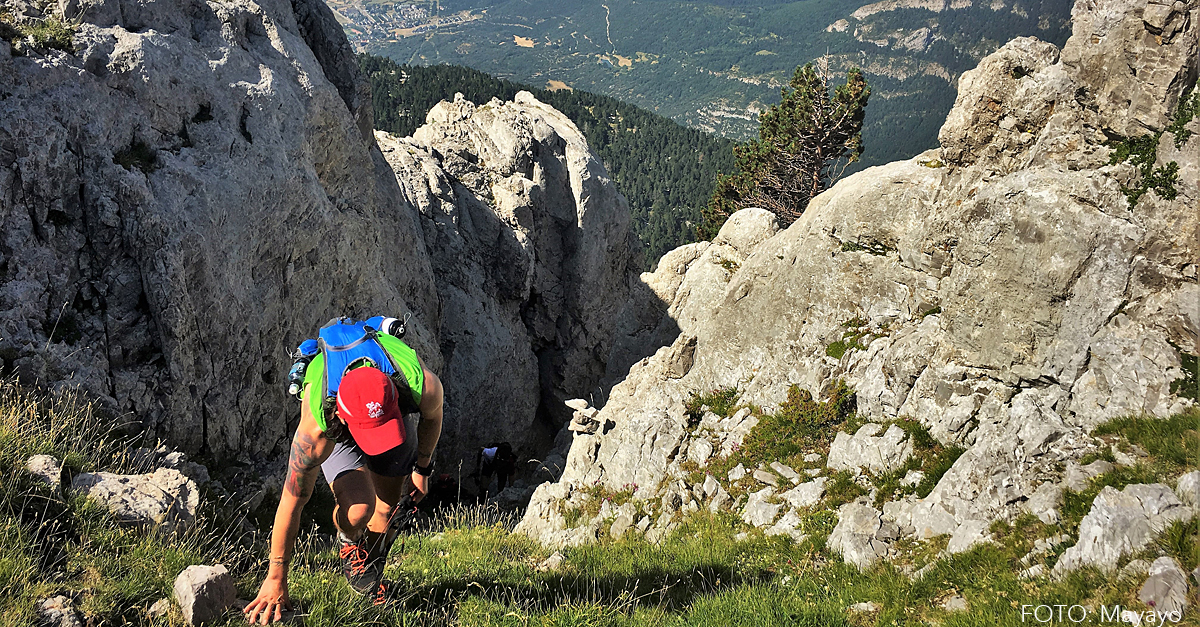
366, 400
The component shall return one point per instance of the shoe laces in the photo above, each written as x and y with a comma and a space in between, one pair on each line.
381, 593
355, 555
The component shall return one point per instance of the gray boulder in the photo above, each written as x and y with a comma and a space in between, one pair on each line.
46, 469
967, 535
805, 494
1188, 488
720, 500
59, 611
861, 536
866, 449
763, 476
204, 593
164, 498
735, 428
956, 603
159, 609
787, 526
700, 450
551, 563
620, 525
922, 519
786, 472
1166, 588
1044, 502
1077, 477
1121, 523
758, 511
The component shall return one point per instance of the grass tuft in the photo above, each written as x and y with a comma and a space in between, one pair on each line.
856, 330
1173, 442
1187, 109
45, 34
721, 401
1188, 385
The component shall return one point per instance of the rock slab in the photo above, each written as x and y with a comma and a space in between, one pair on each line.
1121, 523
866, 449
164, 498
861, 536
1166, 587
59, 611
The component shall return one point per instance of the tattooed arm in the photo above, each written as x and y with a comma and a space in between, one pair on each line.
309, 449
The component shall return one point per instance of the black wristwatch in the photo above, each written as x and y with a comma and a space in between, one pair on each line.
424, 472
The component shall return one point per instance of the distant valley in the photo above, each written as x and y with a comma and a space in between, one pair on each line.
715, 65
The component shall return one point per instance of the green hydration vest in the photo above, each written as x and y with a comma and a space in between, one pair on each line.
402, 355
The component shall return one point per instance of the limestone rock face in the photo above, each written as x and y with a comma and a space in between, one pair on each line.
1121, 523
869, 449
1135, 57
685, 286
164, 498
185, 198
1004, 292
529, 242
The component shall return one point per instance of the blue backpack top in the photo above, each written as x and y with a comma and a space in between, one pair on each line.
346, 344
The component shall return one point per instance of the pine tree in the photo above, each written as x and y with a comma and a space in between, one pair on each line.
804, 144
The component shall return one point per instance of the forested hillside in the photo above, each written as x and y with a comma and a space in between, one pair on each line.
665, 170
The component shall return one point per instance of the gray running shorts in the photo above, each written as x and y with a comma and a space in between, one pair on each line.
397, 462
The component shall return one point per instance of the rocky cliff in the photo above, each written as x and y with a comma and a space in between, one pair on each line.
190, 188
1001, 290
530, 244
186, 194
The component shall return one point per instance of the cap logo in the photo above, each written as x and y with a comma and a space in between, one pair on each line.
374, 409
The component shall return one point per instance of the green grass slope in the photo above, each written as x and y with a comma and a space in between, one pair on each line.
468, 569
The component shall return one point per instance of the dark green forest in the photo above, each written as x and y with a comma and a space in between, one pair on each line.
664, 169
